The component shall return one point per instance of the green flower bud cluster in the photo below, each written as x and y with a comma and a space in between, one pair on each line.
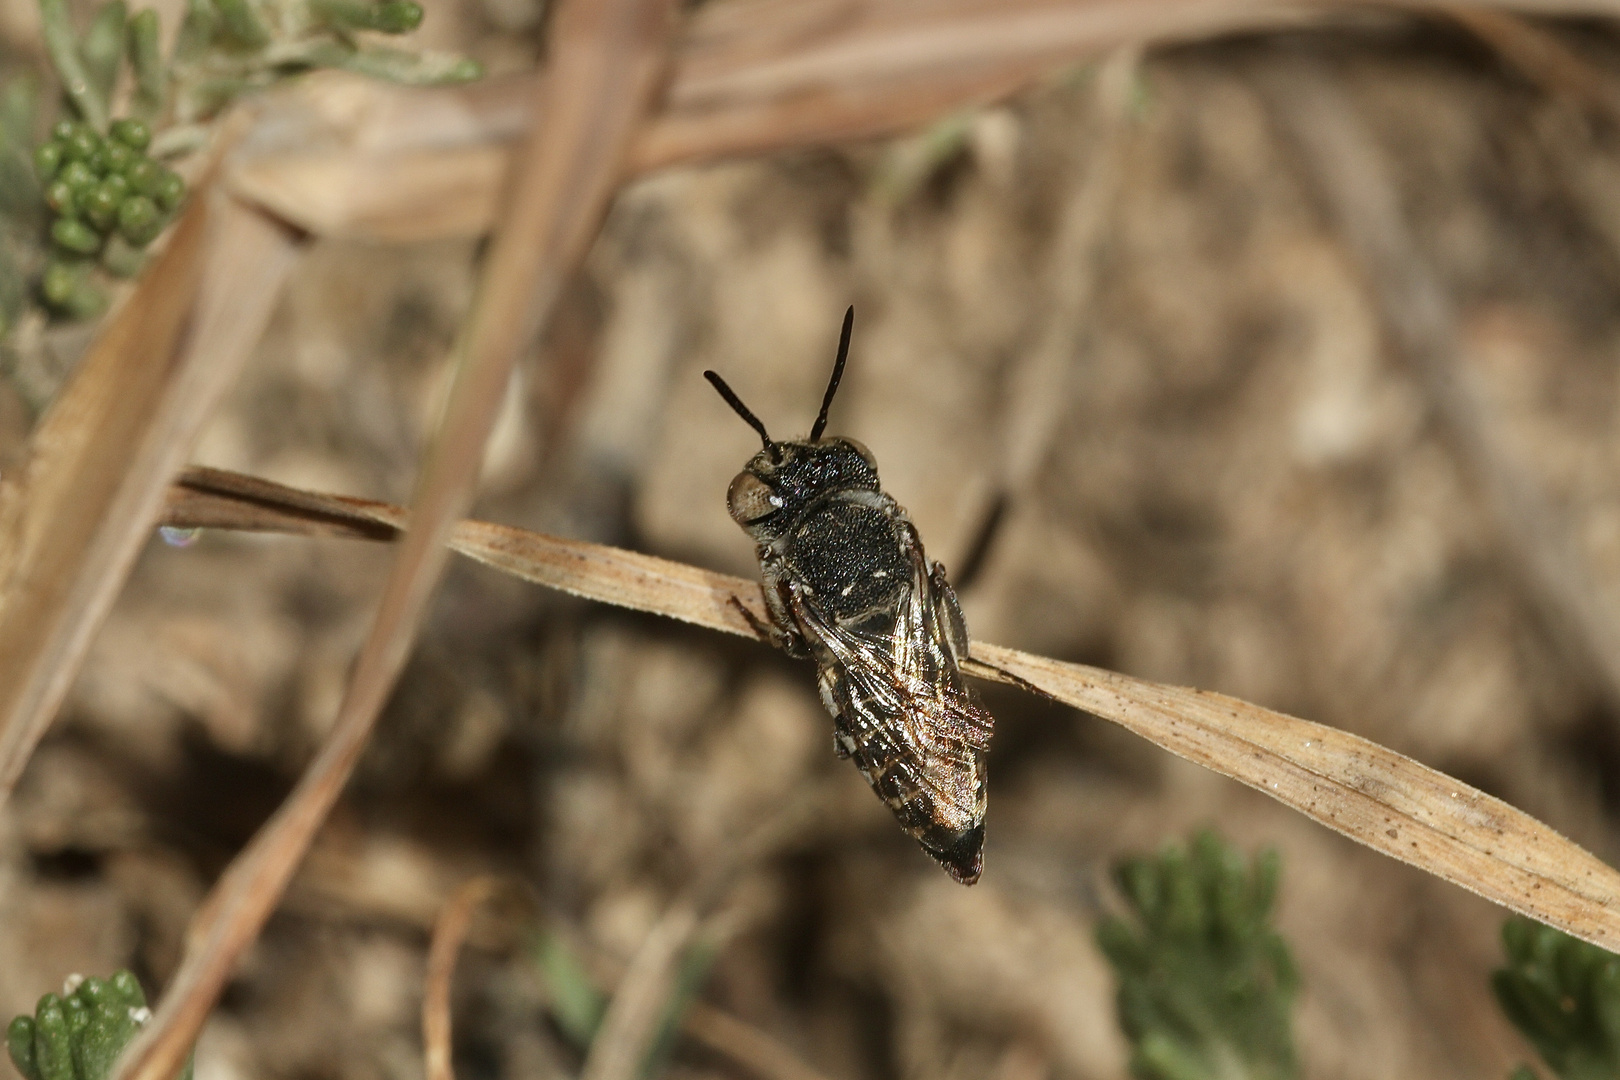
1206, 986
78, 1034
98, 187
1564, 996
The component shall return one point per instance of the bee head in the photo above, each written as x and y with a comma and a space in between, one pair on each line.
783, 478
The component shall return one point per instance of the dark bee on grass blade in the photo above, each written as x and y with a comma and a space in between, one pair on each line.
847, 584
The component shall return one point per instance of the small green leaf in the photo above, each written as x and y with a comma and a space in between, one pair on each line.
576, 1004
61, 44
197, 31
139, 220
78, 177
169, 190
75, 236
59, 197
144, 175
100, 208
109, 1026
53, 1045
102, 50
113, 158
47, 159
81, 144
20, 1044
146, 60
241, 21
132, 133
411, 69
389, 17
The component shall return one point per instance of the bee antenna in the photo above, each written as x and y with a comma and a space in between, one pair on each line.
838, 373
742, 410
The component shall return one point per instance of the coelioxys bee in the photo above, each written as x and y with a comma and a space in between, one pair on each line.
847, 584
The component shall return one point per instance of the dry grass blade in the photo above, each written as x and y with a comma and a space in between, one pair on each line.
625, 1037
748, 1046
1539, 55
745, 1044
449, 931
608, 59
204, 498
1369, 793
779, 73
212, 498
403, 164
1361, 194
74, 517
1356, 787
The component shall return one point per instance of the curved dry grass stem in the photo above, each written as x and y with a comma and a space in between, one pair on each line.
608, 59
76, 513
746, 1045
747, 79
449, 931
1354, 786
631, 1021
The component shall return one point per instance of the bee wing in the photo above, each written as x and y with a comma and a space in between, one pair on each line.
913, 728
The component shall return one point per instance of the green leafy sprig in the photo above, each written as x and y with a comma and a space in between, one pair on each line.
97, 191
1564, 996
78, 1034
1206, 986
226, 47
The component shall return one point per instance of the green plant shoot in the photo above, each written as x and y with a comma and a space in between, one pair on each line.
78, 1034
1564, 996
1206, 986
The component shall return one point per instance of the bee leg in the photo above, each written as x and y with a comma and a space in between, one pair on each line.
785, 640
843, 739
956, 635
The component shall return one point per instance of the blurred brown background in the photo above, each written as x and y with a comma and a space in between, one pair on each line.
1123, 360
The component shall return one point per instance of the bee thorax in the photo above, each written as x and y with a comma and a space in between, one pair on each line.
845, 553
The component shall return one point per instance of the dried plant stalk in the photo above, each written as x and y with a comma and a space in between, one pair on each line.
625, 1037
449, 931
608, 57
714, 1028
74, 516
745, 1044
1352, 785
1360, 191
400, 164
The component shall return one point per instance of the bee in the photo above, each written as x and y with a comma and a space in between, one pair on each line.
847, 584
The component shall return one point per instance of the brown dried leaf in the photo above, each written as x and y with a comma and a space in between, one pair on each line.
1352, 785
74, 517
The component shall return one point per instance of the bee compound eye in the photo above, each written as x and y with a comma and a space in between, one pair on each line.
750, 499
860, 448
